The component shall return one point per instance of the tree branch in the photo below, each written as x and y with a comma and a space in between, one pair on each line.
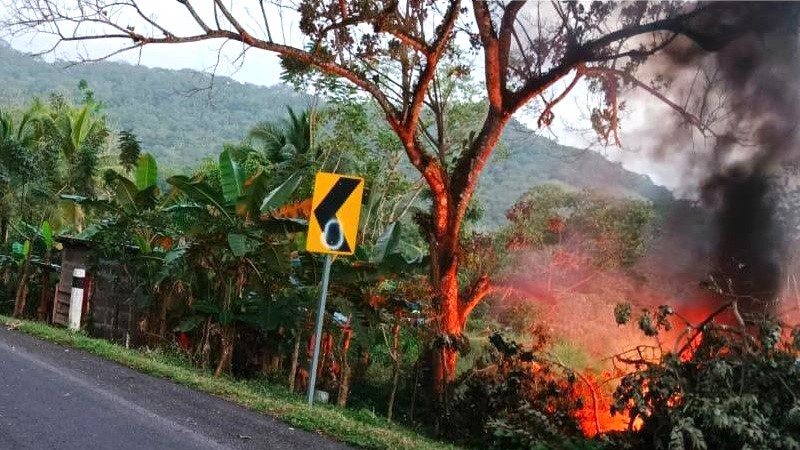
491, 54
196, 16
546, 117
232, 20
432, 62
475, 295
504, 38
690, 118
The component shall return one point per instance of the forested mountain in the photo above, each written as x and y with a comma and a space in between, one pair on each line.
175, 121
527, 159
180, 125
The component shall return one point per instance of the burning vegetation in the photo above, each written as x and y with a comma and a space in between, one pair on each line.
588, 322
704, 355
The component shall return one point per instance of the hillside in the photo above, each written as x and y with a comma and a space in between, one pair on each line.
527, 159
180, 128
162, 107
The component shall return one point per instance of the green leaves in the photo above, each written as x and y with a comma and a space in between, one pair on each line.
200, 192
281, 194
125, 193
256, 188
387, 244
232, 177
685, 431
190, 323
146, 172
80, 126
240, 244
21, 250
103, 205
129, 150
47, 235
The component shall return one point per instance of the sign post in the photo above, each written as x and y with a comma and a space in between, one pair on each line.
332, 230
323, 295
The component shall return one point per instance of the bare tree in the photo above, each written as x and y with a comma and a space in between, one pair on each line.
401, 54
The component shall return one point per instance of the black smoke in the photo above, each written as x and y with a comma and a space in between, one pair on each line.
752, 50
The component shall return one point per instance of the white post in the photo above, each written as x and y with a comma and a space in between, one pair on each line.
76, 299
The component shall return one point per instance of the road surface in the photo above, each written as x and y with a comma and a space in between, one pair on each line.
57, 398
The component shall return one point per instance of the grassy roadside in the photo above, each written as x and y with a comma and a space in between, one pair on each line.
359, 428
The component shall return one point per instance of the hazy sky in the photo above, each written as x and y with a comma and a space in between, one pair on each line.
263, 68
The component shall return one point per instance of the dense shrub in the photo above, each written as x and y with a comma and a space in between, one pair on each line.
516, 399
736, 389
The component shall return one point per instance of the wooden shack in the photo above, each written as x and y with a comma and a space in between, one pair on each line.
110, 311
74, 254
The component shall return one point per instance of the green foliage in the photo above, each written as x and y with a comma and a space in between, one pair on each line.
613, 232
178, 129
387, 244
47, 235
281, 194
732, 390
516, 399
20, 250
146, 172
129, 150
199, 191
46, 149
231, 176
239, 244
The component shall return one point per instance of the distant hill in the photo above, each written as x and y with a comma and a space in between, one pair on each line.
175, 122
180, 129
527, 159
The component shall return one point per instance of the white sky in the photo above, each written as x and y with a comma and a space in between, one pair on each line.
262, 68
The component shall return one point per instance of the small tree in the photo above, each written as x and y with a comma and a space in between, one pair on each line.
402, 55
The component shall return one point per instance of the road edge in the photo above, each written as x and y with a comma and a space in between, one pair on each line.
359, 428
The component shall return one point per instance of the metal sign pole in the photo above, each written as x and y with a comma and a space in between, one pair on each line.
323, 295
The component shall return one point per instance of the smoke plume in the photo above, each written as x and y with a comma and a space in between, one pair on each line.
748, 55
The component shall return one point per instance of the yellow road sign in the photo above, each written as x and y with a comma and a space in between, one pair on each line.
335, 211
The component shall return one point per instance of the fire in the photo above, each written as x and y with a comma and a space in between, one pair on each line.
595, 391
595, 416
691, 347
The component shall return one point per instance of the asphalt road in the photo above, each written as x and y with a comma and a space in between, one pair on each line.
57, 398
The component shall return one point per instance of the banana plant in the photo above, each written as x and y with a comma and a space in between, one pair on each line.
127, 198
133, 218
389, 257
23, 255
235, 247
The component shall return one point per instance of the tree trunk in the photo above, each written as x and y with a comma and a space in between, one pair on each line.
20, 302
227, 339
295, 360
4, 229
451, 197
344, 385
414, 394
43, 311
453, 307
395, 369
162, 319
204, 349
326, 352
451, 326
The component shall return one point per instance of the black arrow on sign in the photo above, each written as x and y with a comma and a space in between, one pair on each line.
327, 209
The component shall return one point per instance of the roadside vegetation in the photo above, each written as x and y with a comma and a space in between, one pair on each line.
552, 331
361, 428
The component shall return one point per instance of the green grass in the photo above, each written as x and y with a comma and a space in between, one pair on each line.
359, 428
